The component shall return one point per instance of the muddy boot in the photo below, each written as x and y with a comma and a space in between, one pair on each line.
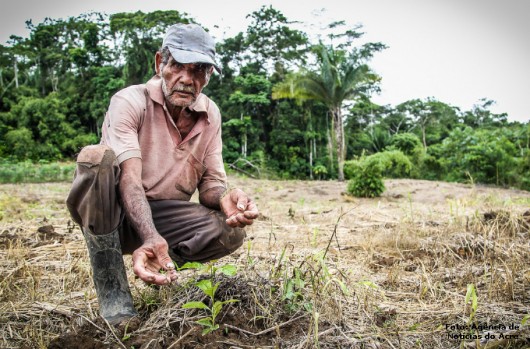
114, 297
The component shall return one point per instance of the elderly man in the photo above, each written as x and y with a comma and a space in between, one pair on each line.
161, 141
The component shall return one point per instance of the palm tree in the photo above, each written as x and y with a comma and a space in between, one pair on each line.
340, 77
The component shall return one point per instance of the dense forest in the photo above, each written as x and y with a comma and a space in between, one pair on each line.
293, 107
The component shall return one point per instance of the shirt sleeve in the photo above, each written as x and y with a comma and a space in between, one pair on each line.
215, 175
122, 123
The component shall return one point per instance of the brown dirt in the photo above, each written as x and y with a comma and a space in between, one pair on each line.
406, 259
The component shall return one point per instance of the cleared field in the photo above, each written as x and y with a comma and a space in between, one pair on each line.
428, 265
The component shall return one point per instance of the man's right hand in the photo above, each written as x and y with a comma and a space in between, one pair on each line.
152, 257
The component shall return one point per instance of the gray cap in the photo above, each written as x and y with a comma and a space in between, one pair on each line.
190, 43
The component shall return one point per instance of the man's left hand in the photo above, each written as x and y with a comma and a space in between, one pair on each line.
239, 208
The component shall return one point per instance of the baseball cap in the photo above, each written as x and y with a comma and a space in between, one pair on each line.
190, 43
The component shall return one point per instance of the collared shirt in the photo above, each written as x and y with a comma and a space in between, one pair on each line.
138, 125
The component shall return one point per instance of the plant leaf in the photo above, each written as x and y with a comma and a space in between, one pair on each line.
191, 265
228, 269
195, 305
207, 321
205, 286
209, 329
216, 309
231, 301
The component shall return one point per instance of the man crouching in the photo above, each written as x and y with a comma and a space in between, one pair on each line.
160, 142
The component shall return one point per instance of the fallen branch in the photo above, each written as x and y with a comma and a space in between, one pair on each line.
233, 166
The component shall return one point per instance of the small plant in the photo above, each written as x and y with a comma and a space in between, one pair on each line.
208, 287
471, 295
292, 293
525, 319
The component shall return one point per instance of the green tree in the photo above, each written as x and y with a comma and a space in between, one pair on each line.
481, 116
272, 44
252, 93
487, 156
341, 76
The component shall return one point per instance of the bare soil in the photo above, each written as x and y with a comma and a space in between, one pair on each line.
389, 272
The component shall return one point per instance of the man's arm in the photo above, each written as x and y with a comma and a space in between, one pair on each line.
238, 207
211, 197
152, 256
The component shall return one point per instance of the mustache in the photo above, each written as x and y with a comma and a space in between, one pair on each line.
183, 88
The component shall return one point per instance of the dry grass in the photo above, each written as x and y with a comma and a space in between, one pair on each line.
320, 270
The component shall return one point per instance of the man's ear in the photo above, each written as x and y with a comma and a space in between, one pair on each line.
158, 60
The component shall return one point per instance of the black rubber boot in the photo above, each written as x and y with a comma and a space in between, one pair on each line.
114, 297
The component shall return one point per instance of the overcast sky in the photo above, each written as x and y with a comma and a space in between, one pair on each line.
457, 51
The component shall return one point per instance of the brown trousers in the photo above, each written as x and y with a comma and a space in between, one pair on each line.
193, 232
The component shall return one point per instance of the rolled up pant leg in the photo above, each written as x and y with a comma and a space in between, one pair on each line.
93, 199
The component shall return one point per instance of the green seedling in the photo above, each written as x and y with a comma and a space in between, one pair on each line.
208, 322
209, 288
471, 295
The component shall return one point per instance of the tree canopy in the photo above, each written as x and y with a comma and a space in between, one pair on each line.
292, 106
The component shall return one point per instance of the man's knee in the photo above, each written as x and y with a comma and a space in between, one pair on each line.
232, 238
98, 154
92, 201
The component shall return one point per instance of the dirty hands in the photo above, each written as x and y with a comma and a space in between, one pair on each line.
152, 257
239, 208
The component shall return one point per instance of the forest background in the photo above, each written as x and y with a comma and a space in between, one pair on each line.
292, 108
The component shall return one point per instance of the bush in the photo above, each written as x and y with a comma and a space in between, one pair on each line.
395, 164
320, 171
367, 180
350, 168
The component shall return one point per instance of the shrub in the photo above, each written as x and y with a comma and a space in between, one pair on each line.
395, 164
367, 180
320, 171
350, 168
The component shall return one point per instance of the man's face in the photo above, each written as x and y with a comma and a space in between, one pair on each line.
182, 83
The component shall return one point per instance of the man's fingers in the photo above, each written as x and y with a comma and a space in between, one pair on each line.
242, 202
251, 214
167, 264
241, 218
239, 221
252, 210
141, 269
